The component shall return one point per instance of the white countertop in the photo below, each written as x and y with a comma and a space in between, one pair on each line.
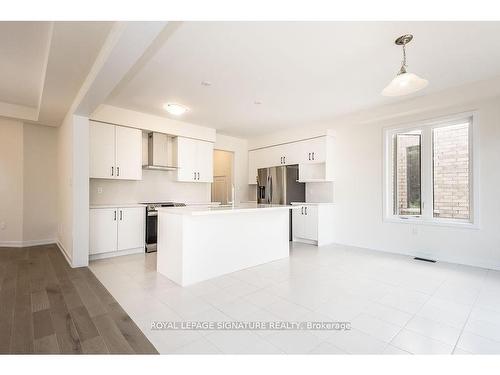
125, 205
311, 203
225, 209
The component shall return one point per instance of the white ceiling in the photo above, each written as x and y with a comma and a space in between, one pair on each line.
23, 51
303, 72
43, 65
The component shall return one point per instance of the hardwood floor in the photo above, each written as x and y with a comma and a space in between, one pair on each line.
48, 307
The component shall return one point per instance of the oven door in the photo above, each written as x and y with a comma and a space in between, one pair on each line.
151, 230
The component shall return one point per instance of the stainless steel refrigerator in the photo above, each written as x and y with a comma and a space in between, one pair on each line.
278, 185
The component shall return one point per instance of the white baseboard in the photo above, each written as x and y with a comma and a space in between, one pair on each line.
112, 254
27, 243
64, 253
303, 240
446, 259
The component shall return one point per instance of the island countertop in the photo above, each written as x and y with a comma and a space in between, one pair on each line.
225, 209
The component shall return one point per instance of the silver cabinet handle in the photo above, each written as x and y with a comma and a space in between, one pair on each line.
195, 175
117, 171
306, 210
112, 171
198, 176
115, 215
302, 210
313, 155
284, 159
309, 156
121, 215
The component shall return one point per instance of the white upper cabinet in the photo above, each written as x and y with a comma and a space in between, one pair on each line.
128, 153
311, 150
194, 159
314, 157
102, 150
205, 160
115, 152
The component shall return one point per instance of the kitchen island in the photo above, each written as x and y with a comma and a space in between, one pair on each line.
200, 243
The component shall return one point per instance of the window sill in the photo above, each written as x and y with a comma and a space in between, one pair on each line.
439, 223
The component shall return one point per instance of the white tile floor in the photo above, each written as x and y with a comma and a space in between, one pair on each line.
396, 305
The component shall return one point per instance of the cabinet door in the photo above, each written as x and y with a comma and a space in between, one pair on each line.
128, 153
311, 223
291, 152
272, 156
131, 222
298, 222
317, 149
102, 150
103, 230
186, 158
204, 161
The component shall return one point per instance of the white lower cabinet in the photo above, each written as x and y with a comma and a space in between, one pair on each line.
313, 223
116, 229
103, 230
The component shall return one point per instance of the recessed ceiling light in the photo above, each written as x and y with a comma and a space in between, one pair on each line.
175, 109
206, 83
257, 102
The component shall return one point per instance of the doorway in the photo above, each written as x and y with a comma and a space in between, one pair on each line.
223, 185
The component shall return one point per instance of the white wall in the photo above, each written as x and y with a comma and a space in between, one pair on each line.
11, 182
39, 184
357, 189
27, 184
73, 189
358, 193
65, 186
239, 147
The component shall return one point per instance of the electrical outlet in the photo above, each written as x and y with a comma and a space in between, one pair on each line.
2, 225
99, 190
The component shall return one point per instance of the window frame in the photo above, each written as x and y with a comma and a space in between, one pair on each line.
427, 172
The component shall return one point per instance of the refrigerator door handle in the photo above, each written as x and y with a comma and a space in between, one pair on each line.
270, 189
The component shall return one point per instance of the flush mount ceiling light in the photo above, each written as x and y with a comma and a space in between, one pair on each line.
175, 109
404, 83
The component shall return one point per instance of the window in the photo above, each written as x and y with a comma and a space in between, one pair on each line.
428, 172
451, 177
406, 172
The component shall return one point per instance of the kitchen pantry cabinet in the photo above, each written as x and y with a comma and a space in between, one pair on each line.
115, 152
194, 159
115, 229
314, 157
312, 223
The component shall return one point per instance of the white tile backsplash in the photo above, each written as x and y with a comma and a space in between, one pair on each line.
317, 192
155, 186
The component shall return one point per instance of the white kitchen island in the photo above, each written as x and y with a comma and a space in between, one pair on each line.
200, 243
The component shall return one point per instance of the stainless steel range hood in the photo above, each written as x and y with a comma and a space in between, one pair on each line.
159, 152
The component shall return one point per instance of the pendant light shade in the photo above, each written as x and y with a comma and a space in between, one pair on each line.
404, 83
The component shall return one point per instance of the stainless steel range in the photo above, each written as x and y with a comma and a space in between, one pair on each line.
152, 222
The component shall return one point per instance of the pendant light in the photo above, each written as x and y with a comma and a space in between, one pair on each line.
404, 83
